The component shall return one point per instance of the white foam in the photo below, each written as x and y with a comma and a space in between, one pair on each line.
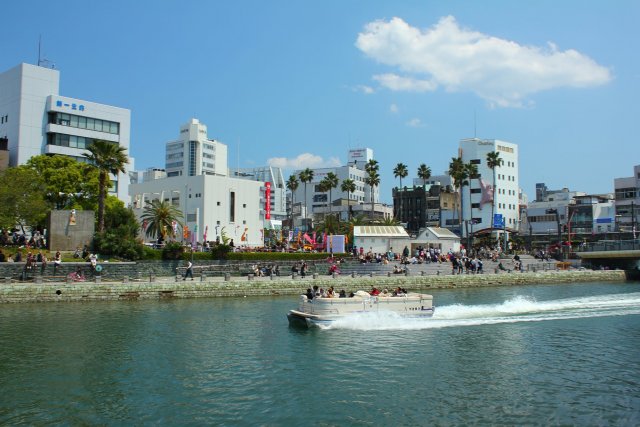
517, 309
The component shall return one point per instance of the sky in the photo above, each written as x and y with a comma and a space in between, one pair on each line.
297, 84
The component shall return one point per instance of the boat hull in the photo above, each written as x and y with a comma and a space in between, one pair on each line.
324, 311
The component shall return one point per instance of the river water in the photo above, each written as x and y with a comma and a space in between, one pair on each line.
530, 355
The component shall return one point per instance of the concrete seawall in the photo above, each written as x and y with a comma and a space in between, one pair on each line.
216, 287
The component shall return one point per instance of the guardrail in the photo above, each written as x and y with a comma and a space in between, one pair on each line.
609, 245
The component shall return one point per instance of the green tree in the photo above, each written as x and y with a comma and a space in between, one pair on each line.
306, 176
292, 185
458, 174
331, 181
68, 183
424, 173
158, 216
22, 198
400, 171
472, 173
348, 186
493, 162
120, 237
372, 180
108, 157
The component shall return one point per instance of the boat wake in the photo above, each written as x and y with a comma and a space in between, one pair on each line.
518, 309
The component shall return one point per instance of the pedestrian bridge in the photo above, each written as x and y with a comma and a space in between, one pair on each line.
622, 254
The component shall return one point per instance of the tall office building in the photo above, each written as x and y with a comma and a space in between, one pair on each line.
478, 197
194, 153
35, 119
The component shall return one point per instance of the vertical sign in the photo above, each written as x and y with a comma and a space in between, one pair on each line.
267, 200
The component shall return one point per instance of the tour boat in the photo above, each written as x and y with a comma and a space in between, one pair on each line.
324, 311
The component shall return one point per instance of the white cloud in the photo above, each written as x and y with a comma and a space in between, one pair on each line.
393, 108
302, 161
367, 90
415, 123
396, 82
500, 71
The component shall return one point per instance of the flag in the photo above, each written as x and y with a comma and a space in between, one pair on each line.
204, 237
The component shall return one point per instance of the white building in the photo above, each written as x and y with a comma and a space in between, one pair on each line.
35, 119
506, 199
541, 214
380, 238
627, 194
194, 153
212, 204
278, 191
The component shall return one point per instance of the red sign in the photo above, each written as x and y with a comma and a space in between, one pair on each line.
267, 200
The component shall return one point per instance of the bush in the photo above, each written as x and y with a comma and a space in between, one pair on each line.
172, 251
110, 243
220, 251
150, 253
281, 256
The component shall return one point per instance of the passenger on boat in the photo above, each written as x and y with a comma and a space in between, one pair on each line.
398, 292
330, 292
316, 292
351, 295
343, 294
309, 294
374, 291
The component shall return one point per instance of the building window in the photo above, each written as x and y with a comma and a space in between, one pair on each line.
232, 206
476, 190
475, 205
218, 203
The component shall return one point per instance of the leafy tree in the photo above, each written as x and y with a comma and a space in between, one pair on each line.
348, 186
68, 183
158, 216
493, 162
120, 237
292, 185
372, 179
424, 173
108, 157
22, 198
305, 177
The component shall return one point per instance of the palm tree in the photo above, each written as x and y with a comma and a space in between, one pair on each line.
108, 157
348, 186
159, 216
458, 174
424, 173
292, 185
324, 187
332, 182
494, 161
400, 171
472, 172
372, 179
305, 177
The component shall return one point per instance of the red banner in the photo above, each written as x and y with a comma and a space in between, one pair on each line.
267, 200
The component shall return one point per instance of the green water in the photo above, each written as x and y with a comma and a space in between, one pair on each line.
534, 355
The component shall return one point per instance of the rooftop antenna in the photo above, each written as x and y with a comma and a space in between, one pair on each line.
43, 62
474, 124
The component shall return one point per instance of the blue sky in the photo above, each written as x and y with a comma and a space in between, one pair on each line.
297, 84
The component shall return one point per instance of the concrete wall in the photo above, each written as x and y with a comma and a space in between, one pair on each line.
64, 235
87, 291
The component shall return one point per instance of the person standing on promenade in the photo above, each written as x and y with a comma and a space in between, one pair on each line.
189, 271
57, 260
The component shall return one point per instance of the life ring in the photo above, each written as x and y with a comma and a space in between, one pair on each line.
98, 268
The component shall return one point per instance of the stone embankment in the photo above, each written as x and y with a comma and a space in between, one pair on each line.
167, 288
